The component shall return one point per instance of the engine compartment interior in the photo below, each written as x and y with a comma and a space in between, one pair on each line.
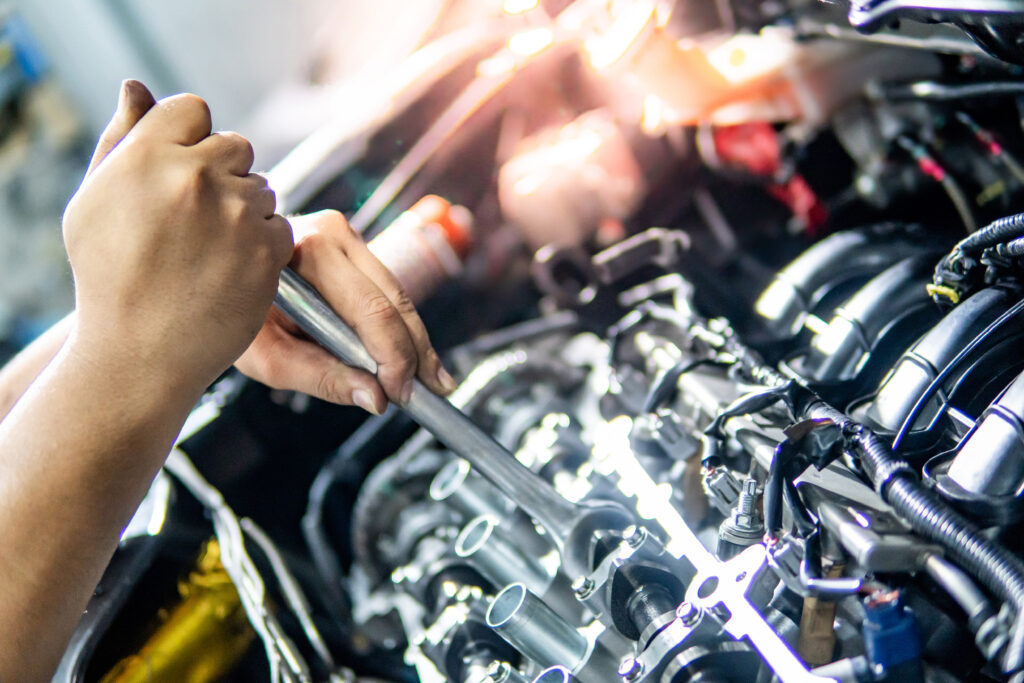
736, 285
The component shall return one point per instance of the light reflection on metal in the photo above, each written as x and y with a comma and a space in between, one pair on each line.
520, 6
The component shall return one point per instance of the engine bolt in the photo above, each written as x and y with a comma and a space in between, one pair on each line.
499, 671
630, 669
687, 613
634, 535
582, 586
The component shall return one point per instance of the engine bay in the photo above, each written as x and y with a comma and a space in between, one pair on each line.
736, 285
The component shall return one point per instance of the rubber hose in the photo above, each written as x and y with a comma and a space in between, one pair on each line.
992, 234
1012, 249
993, 565
999, 571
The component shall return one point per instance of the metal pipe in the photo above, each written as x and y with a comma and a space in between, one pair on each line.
470, 494
521, 618
555, 674
304, 305
960, 587
497, 558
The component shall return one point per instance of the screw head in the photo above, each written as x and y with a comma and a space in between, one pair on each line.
630, 669
687, 613
634, 535
582, 586
499, 671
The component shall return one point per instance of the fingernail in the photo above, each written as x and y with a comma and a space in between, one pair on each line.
364, 399
406, 391
446, 380
122, 96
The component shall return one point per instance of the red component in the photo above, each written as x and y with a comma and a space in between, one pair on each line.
803, 202
932, 169
424, 247
754, 147
434, 209
751, 146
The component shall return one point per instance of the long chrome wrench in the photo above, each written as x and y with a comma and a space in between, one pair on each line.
300, 301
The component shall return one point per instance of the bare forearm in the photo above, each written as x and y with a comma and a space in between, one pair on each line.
22, 370
77, 454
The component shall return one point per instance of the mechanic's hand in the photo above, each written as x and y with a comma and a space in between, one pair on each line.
335, 260
174, 245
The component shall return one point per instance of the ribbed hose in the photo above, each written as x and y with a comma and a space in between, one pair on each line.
1012, 249
994, 566
990, 563
992, 234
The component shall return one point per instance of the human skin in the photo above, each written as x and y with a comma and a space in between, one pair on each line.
176, 251
328, 254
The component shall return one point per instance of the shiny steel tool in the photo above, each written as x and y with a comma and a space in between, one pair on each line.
564, 520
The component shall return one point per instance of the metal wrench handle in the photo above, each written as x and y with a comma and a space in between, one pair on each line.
303, 304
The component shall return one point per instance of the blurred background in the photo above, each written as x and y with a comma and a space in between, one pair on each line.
270, 70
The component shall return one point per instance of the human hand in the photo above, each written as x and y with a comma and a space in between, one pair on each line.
334, 259
174, 246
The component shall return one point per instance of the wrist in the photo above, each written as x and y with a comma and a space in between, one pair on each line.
129, 370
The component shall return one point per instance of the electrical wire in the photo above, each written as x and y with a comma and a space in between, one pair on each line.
291, 590
665, 385
988, 141
942, 92
285, 662
931, 167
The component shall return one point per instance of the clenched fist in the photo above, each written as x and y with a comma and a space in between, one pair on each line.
174, 246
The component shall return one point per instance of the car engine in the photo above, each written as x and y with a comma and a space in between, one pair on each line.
734, 286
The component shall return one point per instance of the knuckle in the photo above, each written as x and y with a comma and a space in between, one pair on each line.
328, 387
403, 304
331, 216
313, 242
274, 247
334, 222
196, 106
270, 199
240, 144
378, 309
270, 370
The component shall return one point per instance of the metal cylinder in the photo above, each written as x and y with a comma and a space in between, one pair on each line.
521, 618
497, 558
555, 674
470, 494
503, 672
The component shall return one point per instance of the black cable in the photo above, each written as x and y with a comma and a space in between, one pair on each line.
994, 233
998, 570
802, 520
748, 403
665, 386
810, 573
942, 92
774, 490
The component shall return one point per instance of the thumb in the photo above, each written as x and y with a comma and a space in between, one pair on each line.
132, 104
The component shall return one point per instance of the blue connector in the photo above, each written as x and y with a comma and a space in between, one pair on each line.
891, 638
